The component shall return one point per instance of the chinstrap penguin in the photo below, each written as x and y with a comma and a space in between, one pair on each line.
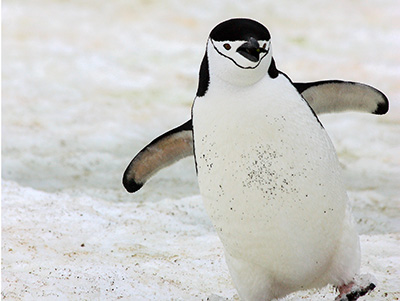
267, 170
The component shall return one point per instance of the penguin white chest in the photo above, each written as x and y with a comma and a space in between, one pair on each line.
268, 173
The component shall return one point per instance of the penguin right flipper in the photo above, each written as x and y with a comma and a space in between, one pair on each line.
333, 96
161, 152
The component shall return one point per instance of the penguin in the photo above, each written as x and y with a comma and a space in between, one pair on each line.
267, 171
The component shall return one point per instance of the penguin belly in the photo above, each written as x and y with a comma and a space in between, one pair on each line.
271, 184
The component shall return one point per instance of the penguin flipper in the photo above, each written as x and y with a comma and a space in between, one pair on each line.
161, 152
333, 96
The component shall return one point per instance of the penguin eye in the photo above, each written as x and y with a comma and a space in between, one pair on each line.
265, 45
227, 46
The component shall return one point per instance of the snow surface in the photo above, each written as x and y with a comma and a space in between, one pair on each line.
86, 84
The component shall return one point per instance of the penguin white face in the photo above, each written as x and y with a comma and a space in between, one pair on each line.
239, 51
245, 54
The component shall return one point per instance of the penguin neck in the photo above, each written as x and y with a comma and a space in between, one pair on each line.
272, 71
204, 76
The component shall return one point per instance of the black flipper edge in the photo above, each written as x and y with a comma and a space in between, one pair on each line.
161, 152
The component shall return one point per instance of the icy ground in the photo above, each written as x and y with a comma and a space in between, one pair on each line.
86, 84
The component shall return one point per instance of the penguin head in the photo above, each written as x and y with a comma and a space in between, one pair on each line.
239, 51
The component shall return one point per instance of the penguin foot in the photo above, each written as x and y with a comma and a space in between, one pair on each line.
360, 286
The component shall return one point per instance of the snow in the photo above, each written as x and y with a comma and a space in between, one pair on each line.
86, 84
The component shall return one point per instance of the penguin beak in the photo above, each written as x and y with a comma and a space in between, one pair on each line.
251, 50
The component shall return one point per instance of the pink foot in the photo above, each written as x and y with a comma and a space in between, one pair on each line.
360, 286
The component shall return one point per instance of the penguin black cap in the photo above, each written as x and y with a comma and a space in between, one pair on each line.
239, 30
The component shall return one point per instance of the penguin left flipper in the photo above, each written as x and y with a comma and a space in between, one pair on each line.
333, 96
161, 152
328, 96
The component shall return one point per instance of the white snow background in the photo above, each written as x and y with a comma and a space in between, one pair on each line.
86, 84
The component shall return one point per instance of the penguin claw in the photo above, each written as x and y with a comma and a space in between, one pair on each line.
357, 288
